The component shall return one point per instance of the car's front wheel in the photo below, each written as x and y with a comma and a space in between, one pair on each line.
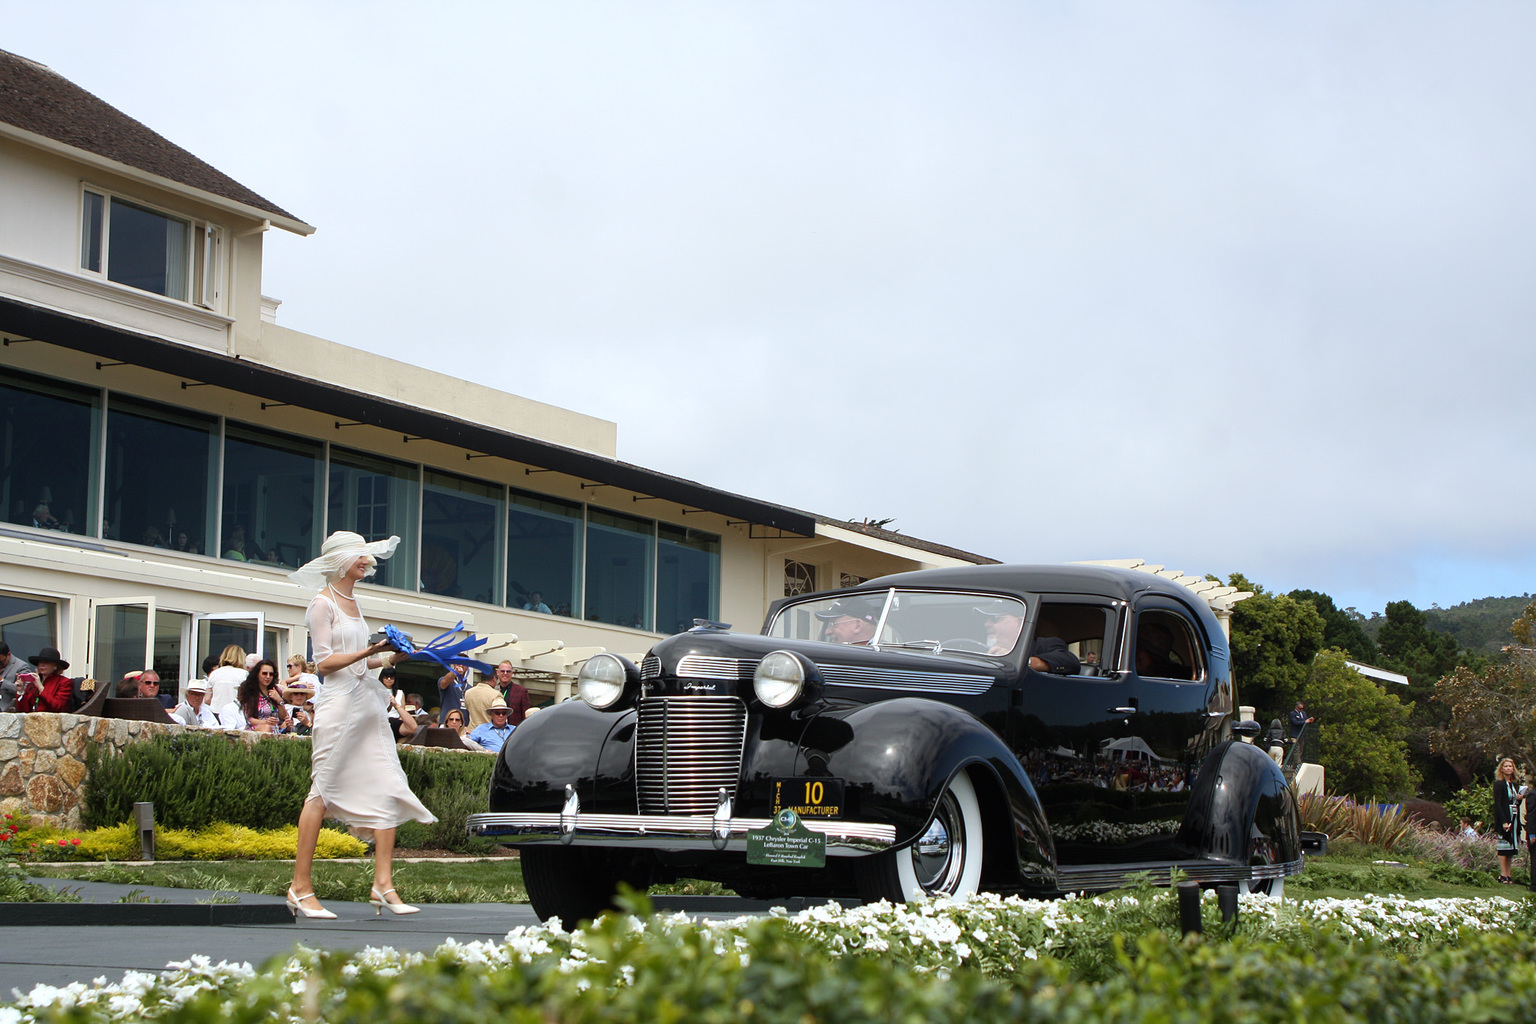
573, 884
945, 860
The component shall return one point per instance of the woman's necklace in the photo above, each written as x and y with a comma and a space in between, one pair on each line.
338, 595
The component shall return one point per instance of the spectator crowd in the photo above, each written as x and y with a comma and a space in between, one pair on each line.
240, 691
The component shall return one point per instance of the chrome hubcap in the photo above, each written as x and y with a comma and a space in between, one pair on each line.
939, 856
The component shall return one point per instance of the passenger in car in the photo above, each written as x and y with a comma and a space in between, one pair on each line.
1154, 653
1048, 654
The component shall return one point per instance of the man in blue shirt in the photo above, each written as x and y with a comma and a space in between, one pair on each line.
491, 735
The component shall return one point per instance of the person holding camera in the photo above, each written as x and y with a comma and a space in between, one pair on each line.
47, 689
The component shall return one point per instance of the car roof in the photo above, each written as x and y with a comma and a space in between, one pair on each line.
1098, 580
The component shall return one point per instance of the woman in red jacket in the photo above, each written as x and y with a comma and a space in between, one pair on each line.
53, 693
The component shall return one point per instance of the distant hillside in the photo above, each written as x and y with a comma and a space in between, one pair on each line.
1481, 625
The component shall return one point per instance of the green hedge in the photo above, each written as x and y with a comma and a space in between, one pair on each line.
199, 779
196, 779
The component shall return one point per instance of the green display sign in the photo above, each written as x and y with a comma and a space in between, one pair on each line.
787, 843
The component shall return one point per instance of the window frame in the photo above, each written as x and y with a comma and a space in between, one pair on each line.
1194, 635
203, 277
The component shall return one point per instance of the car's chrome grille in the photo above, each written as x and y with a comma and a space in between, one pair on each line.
686, 750
650, 667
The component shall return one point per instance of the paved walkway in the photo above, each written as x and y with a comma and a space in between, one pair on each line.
56, 954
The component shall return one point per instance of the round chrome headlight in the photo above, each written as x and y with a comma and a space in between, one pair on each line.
779, 679
601, 680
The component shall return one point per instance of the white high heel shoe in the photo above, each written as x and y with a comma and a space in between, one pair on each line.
380, 904
296, 907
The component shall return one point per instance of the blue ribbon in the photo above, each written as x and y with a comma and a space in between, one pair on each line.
441, 649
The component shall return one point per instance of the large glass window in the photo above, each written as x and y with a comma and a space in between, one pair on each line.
120, 640
377, 498
460, 550
159, 477
272, 497
544, 537
170, 637
28, 625
620, 558
47, 438
142, 248
687, 577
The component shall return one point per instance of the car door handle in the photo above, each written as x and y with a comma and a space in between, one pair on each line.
1122, 711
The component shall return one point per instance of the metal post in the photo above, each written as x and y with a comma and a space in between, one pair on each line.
144, 814
1226, 899
1189, 908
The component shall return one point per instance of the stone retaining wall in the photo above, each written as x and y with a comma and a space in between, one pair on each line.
42, 759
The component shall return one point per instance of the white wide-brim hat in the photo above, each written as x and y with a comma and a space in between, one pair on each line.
337, 554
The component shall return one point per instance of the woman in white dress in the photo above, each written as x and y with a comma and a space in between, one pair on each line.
355, 768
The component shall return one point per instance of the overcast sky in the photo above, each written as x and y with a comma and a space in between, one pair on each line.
1228, 287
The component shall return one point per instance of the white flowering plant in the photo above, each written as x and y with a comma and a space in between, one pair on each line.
1115, 957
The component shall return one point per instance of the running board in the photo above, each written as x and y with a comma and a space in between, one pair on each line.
1099, 877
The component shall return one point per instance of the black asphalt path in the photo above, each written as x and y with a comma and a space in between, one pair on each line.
53, 952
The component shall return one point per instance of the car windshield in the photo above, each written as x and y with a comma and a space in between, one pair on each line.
940, 622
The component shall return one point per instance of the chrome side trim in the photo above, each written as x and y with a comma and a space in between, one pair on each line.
905, 679
667, 832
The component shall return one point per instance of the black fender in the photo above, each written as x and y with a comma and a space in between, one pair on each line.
1241, 808
567, 744
899, 756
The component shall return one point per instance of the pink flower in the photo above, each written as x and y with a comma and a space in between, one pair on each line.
63, 842
74, 842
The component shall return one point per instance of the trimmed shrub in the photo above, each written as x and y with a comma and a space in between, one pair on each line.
198, 779
219, 841
1427, 813
454, 787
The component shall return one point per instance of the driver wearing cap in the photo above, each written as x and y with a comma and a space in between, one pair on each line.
850, 621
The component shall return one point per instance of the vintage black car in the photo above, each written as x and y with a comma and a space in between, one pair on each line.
1034, 729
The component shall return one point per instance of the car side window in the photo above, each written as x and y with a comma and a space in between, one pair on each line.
1166, 647
1083, 627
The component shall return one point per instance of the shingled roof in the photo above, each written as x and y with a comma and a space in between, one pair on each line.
871, 530
39, 100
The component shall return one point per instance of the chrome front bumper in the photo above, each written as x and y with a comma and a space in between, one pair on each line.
719, 831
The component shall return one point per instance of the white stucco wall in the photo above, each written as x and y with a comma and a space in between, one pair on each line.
39, 207
286, 349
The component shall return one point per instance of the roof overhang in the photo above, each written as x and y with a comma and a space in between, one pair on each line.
1219, 596
246, 377
90, 159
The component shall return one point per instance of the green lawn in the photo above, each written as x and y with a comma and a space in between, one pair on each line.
1351, 872
497, 880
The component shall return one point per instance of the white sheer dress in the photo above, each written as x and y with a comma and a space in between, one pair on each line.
355, 768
